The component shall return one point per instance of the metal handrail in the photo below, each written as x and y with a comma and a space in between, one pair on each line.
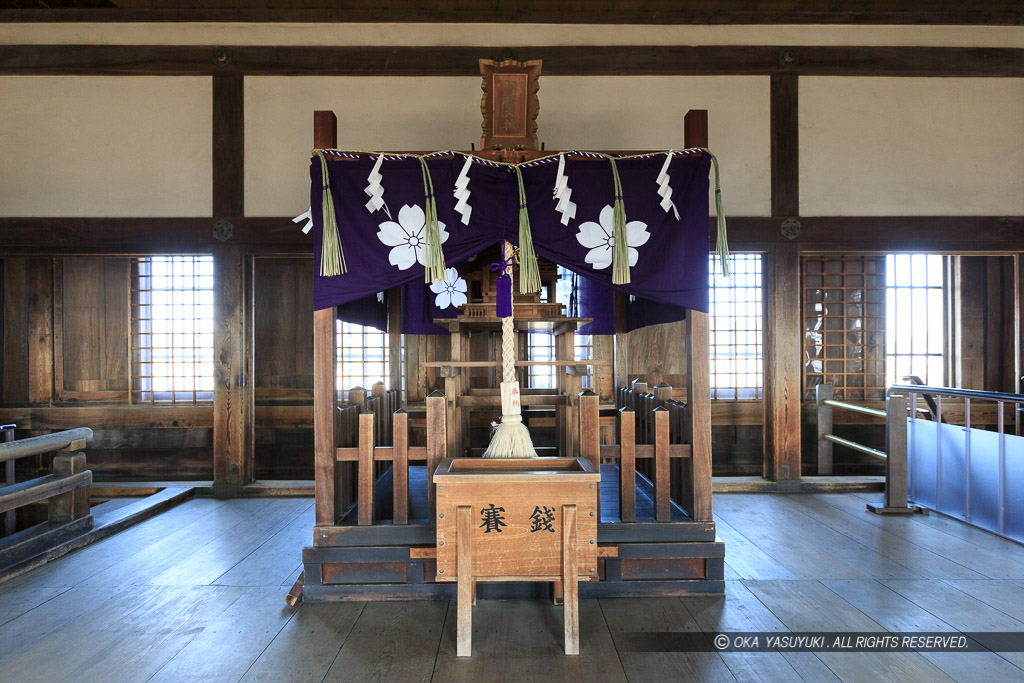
855, 408
861, 448
950, 391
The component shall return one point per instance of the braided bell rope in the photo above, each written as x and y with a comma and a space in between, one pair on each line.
508, 333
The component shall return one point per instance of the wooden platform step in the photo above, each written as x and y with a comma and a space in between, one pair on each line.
29, 549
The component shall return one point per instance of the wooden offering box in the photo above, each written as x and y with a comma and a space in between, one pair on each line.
517, 520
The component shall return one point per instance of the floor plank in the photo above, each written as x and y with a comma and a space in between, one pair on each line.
307, 646
960, 610
225, 551
857, 527
522, 640
746, 558
275, 560
740, 611
232, 641
802, 544
929, 531
633, 615
83, 564
138, 606
172, 550
898, 614
391, 641
140, 654
811, 606
16, 600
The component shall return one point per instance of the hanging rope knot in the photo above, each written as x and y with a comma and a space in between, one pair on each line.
505, 263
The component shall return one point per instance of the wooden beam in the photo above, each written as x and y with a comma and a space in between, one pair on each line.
643, 12
228, 145
785, 149
59, 235
782, 353
603, 60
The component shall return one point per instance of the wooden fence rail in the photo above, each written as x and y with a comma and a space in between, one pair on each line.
668, 460
66, 490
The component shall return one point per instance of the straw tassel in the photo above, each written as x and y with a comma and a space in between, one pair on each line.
620, 252
529, 271
722, 239
332, 258
435, 266
510, 438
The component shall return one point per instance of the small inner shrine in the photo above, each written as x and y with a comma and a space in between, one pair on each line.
644, 452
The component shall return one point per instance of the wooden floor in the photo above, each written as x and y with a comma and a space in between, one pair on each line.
197, 594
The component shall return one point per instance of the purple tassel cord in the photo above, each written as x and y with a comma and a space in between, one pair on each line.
503, 308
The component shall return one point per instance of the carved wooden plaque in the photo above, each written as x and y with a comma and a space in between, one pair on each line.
510, 104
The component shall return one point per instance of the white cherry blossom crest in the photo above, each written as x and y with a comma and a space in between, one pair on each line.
451, 292
599, 238
407, 238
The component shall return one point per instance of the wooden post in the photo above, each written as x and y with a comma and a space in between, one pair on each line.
437, 443
232, 392
570, 581
662, 485
590, 433
822, 393
782, 352
896, 450
400, 466
325, 354
697, 491
366, 478
8, 435
324, 406
627, 464
464, 568
74, 504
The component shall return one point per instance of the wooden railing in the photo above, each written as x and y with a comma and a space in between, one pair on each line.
670, 464
66, 489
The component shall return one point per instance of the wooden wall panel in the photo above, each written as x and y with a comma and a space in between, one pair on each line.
283, 327
656, 354
95, 328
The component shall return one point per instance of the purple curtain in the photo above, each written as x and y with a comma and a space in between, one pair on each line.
384, 249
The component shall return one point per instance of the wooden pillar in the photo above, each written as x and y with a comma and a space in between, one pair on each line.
782, 377
232, 392
325, 353
40, 331
697, 489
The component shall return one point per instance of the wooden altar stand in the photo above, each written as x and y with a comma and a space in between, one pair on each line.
386, 530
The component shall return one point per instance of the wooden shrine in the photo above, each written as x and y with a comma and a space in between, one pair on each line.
379, 530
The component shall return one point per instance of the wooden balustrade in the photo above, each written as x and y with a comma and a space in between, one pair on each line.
664, 456
66, 491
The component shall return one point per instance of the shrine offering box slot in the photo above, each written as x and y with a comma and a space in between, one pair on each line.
516, 511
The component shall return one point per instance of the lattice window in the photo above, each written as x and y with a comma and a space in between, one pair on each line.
737, 346
540, 346
362, 356
914, 340
172, 324
844, 325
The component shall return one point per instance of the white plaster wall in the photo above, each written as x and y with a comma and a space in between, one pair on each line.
443, 113
911, 146
508, 35
105, 146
